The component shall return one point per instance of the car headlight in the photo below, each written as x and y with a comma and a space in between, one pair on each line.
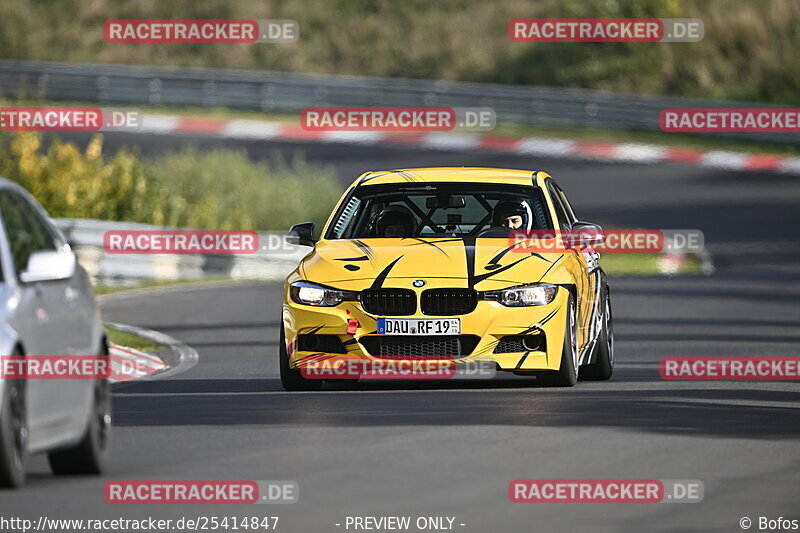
304, 292
524, 295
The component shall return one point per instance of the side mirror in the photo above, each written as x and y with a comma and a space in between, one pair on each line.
586, 234
49, 265
302, 234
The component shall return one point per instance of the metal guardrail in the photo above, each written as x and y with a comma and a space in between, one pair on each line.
271, 91
86, 238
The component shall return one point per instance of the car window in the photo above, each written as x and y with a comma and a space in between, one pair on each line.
27, 232
563, 217
565, 202
470, 215
437, 210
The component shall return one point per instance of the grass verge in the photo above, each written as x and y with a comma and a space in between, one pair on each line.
644, 265
745, 53
101, 290
130, 340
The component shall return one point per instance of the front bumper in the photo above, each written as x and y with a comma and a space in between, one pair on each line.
489, 322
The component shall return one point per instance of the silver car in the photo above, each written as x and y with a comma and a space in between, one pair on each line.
47, 308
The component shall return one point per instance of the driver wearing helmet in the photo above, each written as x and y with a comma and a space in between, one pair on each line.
396, 221
512, 215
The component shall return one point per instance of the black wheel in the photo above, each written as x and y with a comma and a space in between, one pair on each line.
567, 374
291, 379
90, 455
603, 354
13, 434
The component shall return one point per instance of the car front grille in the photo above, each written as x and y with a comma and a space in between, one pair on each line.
389, 302
419, 346
447, 302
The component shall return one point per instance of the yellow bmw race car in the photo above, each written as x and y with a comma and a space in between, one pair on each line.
423, 265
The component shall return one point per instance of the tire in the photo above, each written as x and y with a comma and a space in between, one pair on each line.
603, 354
291, 379
90, 455
567, 374
13, 435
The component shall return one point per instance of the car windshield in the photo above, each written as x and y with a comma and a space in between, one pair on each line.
439, 210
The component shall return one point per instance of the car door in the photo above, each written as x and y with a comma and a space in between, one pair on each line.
73, 319
586, 272
37, 320
592, 264
74, 312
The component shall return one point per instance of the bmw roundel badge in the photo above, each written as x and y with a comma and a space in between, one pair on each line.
419, 283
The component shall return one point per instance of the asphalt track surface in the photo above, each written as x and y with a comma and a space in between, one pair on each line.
452, 449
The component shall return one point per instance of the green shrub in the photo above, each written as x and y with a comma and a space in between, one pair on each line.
223, 189
216, 189
74, 183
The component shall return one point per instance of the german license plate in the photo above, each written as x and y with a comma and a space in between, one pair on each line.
419, 326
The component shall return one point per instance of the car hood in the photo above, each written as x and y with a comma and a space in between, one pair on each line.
474, 260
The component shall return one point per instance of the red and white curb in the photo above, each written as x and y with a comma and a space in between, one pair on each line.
539, 146
128, 364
